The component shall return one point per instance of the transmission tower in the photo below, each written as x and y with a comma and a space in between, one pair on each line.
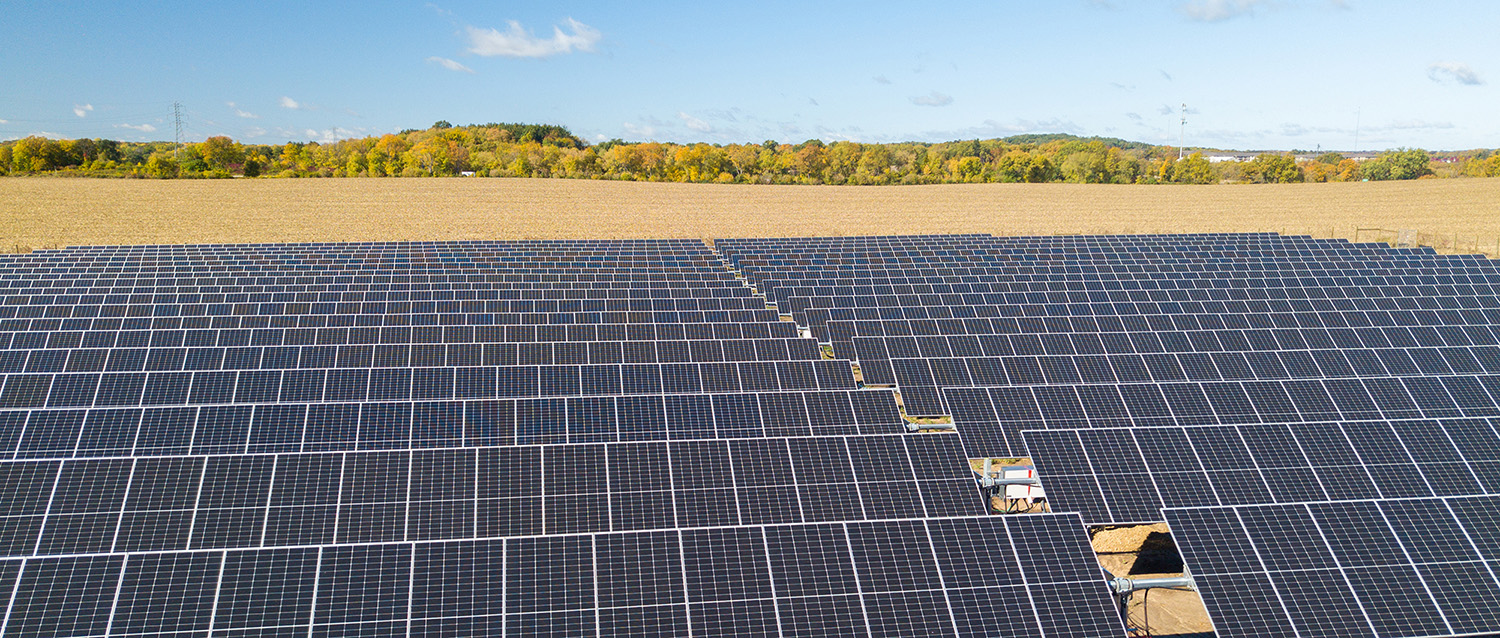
177, 125
1182, 131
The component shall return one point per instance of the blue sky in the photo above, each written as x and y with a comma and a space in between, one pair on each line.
1254, 74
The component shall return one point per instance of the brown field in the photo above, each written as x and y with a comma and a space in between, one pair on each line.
37, 212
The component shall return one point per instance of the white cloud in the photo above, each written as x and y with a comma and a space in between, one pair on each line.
289, 103
645, 130
241, 112
144, 128
254, 131
4, 121
993, 129
517, 42
1216, 10
451, 65
332, 134
694, 123
932, 99
1413, 125
82, 109
881, 79
1453, 71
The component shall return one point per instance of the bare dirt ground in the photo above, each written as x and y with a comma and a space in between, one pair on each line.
1146, 551
37, 212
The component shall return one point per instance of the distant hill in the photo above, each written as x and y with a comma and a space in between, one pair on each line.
1043, 138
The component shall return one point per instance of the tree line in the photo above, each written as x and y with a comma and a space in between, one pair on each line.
535, 150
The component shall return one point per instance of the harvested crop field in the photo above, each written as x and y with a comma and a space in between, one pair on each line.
37, 212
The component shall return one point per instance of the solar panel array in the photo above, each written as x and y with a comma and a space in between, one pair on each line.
542, 438
1221, 382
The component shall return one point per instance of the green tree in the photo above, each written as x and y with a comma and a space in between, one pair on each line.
161, 165
1194, 169
1272, 168
811, 161
1039, 169
1410, 163
219, 152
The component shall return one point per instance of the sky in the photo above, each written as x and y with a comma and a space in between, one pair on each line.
1253, 74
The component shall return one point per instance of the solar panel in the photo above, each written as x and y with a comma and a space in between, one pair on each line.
1389, 567
1118, 475
888, 577
621, 438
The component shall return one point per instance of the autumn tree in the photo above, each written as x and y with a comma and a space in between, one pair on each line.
1194, 169
1402, 163
810, 161
1274, 168
220, 152
161, 165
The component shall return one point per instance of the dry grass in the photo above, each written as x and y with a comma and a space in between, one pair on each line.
50, 211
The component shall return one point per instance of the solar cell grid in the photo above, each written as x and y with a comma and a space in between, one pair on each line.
604, 438
285, 425
1233, 383
668, 579
1397, 567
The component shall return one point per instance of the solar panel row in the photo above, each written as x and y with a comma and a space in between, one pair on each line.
407, 383
425, 439
286, 425
1216, 378
173, 503
1391, 567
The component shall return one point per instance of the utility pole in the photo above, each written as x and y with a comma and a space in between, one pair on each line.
1182, 131
177, 125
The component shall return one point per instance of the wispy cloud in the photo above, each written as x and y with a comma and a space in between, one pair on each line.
1216, 10
451, 65
992, 129
1443, 72
254, 131
932, 99
4, 121
144, 128
694, 123
82, 109
644, 130
242, 112
333, 134
1164, 74
517, 42
1167, 109
1413, 125
289, 103
881, 79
